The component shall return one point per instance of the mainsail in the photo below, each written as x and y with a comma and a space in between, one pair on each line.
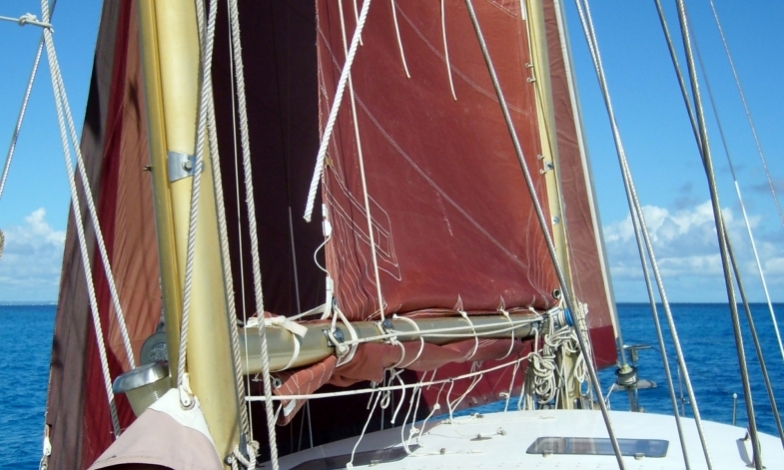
453, 227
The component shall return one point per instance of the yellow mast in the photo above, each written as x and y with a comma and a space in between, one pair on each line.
548, 137
547, 130
170, 58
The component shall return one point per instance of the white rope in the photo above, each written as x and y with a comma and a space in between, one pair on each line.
473, 333
252, 225
59, 98
60, 85
399, 39
208, 37
2, 243
399, 364
350, 463
238, 215
388, 387
344, 350
446, 51
512, 339
333, 114
511, 387
27, 18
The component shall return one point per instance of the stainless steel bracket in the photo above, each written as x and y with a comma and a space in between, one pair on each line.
180, 165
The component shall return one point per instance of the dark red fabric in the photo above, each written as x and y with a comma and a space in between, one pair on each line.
590, 282
453, 222
114, 146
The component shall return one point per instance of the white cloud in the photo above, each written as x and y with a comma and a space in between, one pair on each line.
687, 252
31, 261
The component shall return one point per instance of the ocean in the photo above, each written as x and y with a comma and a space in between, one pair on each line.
705, 332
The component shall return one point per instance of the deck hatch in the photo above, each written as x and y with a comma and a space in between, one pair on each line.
655, 448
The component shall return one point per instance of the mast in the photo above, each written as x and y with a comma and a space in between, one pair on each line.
171, 64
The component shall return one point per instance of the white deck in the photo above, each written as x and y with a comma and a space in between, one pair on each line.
450, 446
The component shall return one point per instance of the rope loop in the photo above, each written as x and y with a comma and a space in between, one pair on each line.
403, 355
248, 458
465, 316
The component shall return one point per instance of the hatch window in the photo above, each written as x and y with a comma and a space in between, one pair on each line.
656, 448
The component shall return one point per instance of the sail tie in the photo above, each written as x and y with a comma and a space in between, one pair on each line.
505, 313
344, 352
399, 39
446, 51
473, 330
394, 341
297, 331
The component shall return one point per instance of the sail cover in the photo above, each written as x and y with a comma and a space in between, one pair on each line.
453, 224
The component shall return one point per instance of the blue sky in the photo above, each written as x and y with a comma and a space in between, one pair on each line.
651, 116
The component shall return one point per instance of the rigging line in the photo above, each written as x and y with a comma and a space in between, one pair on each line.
720, 229
208, 37
27, 18
399, 39
740, 201
239, 205
748, 112
757, 347
679, 73
660, 339
333, 113
80, 165
365, 196
23, 109
99, 336
285, 142
636, 208
542, 223
252, 225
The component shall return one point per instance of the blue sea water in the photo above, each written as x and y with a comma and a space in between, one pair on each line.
25, 348
705, 332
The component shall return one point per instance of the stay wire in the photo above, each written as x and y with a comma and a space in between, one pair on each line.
757, 347
23, 108
720, 229
748, 112
741, 203
636, 208
543, 225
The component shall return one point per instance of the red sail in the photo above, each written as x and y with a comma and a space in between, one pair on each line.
453, 223
114, 145
589, 276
